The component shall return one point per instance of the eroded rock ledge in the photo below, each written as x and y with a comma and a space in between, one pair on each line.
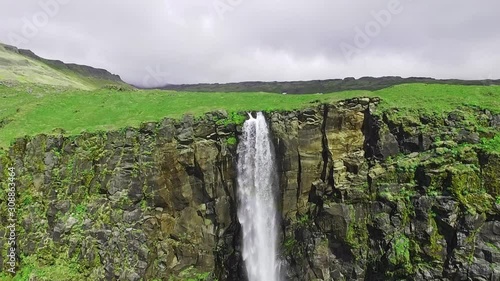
366, 194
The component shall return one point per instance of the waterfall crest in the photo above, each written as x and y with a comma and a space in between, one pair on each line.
257, 212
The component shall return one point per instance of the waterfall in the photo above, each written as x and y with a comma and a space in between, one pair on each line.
257, 212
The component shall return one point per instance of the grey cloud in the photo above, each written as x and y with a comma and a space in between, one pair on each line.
189, 41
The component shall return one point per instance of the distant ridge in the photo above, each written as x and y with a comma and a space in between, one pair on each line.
321, 86
24, 66
83, 70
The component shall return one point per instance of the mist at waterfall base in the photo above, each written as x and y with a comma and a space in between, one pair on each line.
257, 212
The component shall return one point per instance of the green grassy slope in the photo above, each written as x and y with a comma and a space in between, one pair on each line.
30, 110
22, 66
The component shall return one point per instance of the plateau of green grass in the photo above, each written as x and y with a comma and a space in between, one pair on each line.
439, 98
33, 109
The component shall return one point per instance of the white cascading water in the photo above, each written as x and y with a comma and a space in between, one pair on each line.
257, 210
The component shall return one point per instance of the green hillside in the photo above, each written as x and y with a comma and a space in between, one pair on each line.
32, 109
22, 66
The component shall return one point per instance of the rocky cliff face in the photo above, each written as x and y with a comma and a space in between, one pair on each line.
365, 195
387, 196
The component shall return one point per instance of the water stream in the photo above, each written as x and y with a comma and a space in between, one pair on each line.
257, 212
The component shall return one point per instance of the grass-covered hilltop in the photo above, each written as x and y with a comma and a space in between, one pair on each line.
23, 66
388, 179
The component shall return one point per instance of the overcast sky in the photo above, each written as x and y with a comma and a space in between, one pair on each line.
189, 41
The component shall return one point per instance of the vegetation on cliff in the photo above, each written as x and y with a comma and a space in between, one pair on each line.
380, 189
